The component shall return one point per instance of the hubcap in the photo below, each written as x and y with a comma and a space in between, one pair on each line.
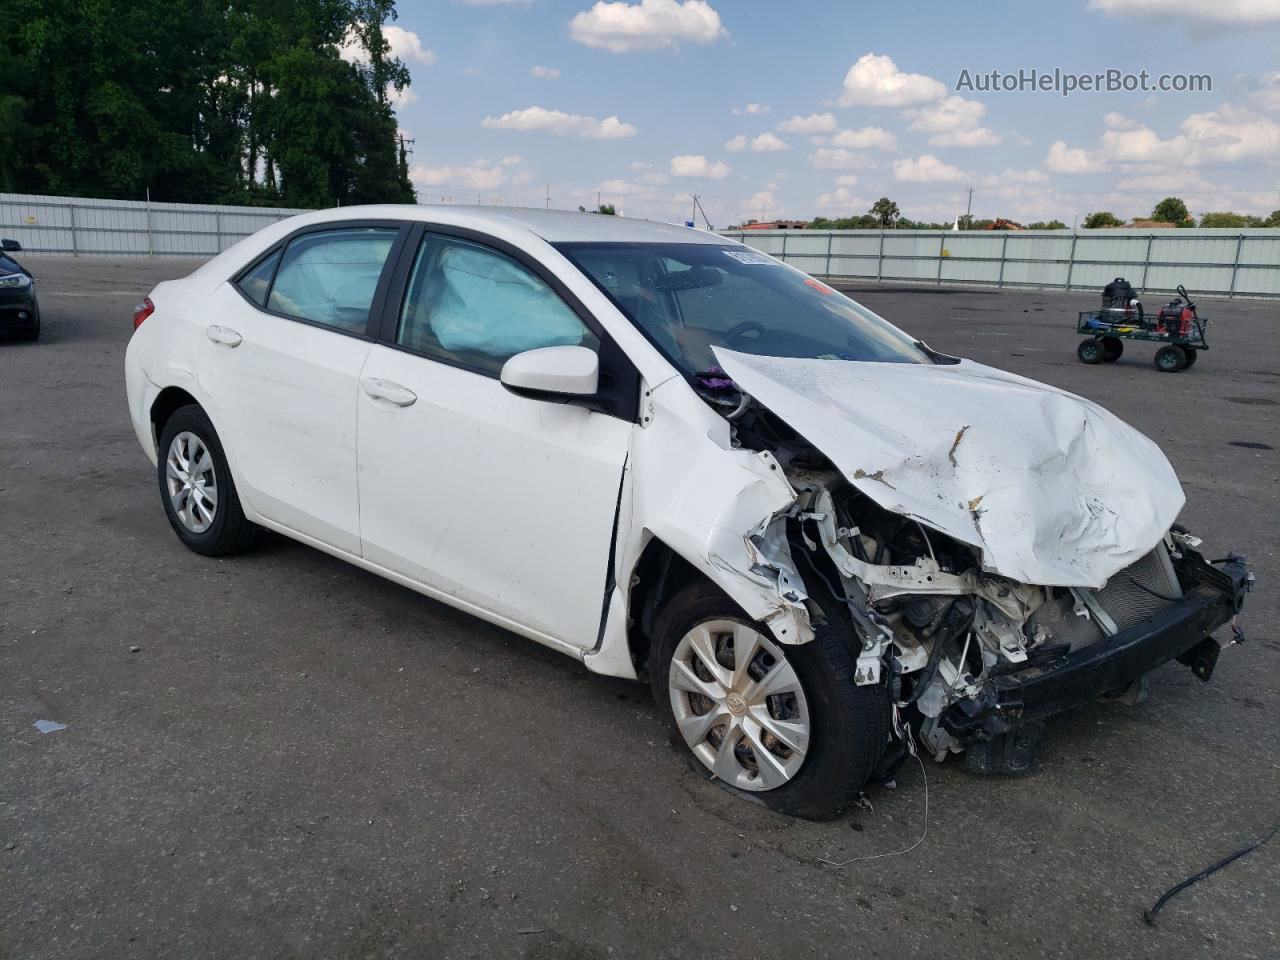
191, 482
739, 705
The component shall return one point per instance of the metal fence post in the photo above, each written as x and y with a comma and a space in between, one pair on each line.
1235, 265
783, 256
942, 248
1004, 246
151, 244
1071, 258
217, 228
1146, 262
829, 237
880, 258
71, 218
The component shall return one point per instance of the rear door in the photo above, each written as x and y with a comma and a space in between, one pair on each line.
280, 368
503, 502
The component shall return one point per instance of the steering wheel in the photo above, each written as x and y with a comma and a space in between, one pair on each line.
742, 329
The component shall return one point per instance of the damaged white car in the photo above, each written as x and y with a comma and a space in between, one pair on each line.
672, 457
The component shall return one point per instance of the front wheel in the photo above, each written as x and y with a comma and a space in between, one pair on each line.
196, 487
783, 721
1090, 351
1171, 359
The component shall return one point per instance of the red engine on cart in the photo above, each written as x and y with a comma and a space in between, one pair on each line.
1175, 319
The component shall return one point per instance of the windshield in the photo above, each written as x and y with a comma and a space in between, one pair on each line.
690, 297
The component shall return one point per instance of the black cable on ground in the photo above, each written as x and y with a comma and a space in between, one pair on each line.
1150, 915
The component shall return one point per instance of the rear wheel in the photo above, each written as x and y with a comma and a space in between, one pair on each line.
1090, 351
1112, 348
782, 721
196, 487
1170, 359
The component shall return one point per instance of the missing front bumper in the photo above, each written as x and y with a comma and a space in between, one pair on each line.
1213, 595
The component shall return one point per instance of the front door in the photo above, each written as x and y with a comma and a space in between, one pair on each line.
503, 502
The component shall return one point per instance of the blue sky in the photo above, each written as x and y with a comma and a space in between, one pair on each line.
650, 101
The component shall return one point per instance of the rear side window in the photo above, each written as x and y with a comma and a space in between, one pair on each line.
474, 307
330, 277
257, 281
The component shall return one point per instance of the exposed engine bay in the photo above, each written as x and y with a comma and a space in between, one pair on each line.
953, 642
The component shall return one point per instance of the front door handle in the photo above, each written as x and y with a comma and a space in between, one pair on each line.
223, 335
389, 391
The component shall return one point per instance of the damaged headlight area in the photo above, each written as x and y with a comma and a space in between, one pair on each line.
974, 660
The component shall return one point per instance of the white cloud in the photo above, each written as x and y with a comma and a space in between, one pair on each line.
1064, 159
561, 124
840, 200
477, 176
1225, 135
1117, 121
622, 188
403, 43
544, 73
402, 97
1265, 91
696, 165
1014, 176
954, 122
925, 168
1217, 11
512, 159
876, 81
813, 123
1168, 181
648, 25
750, 110
759, 205
736, 144
867, 138
767, 142
836, 158
847, 180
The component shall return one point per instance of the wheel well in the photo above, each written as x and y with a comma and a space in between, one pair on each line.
659, 574
166, 404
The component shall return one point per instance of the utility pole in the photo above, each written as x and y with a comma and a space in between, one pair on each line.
968, 210
597, 201
693, 217
548, 196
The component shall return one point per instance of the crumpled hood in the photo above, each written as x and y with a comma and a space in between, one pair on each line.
1052, 488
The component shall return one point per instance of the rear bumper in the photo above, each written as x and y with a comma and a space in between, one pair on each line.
1213, 595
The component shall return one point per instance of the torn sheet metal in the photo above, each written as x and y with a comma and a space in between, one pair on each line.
1053, 489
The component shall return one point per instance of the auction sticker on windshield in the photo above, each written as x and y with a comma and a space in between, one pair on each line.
743, 256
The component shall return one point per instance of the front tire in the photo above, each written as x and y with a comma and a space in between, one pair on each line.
197, 489
784, 722
1170, 359
1090, 351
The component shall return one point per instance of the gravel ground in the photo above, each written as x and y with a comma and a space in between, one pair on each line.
282, 756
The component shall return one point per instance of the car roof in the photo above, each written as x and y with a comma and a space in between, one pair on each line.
554, 226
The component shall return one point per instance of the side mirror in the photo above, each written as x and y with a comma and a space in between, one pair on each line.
10, 246
552, 373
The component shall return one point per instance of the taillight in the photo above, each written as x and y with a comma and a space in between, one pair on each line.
143, 310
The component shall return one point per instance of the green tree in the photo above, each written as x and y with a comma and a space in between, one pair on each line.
885, 212
1226, 219
607, 209
1173, 210
1047, 225
1103, 218
1273, 219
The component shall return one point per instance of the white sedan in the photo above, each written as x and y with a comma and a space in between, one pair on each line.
670, 456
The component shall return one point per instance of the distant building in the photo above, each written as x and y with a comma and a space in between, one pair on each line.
775, 225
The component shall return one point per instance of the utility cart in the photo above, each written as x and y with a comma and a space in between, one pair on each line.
1178, 328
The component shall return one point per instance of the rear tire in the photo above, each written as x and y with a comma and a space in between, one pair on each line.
1112, 348
847, 725
197, 489
1170, 359
1090, 351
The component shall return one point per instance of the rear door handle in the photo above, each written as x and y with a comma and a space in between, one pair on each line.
386, 390
223, 335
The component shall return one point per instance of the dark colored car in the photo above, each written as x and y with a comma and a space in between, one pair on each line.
19, 310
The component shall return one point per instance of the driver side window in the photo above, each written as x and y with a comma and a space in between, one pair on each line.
474, 307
